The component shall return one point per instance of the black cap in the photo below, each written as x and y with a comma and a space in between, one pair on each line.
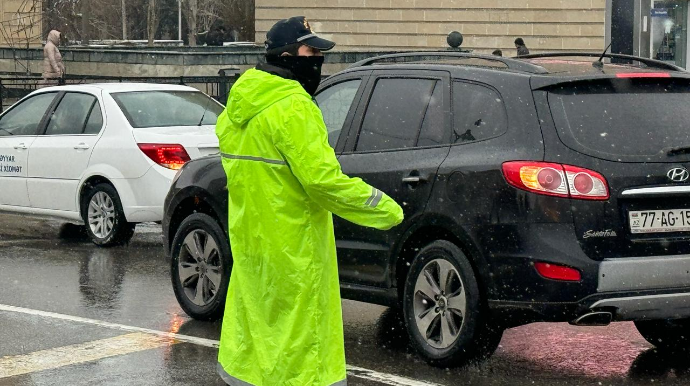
295, 30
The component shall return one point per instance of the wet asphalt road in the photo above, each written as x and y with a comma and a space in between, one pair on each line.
130, 286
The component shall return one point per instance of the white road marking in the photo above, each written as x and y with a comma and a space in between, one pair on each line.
358, 372
54, 358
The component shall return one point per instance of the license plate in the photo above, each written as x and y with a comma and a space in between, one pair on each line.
660, 221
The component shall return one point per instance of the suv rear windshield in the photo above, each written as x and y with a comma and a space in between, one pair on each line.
623, 119
168, 108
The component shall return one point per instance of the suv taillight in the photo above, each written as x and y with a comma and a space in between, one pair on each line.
556, 180
169, 156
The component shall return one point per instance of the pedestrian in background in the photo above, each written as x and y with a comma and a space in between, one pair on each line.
497, 53
521, 47
53, 68
283, 320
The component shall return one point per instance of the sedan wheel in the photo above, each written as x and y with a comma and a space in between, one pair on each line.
101, 210
101, 215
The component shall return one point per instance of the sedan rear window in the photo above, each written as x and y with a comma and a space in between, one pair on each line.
623, 119
168, 108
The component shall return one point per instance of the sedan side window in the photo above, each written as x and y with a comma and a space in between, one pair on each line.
335, 103
95, 122
70, 115
24, 118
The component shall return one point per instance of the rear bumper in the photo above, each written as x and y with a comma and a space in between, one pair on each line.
648, 307
644, 288
643, 273
142, 198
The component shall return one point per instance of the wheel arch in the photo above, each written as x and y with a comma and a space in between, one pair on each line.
433, 228
193, 200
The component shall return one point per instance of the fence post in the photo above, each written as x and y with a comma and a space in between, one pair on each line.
1, 87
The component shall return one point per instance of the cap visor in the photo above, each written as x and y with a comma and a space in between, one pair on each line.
319, 43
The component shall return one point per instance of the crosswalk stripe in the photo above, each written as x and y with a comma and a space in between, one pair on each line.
167, 338
54, 358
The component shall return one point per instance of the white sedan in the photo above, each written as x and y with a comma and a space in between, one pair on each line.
102, 154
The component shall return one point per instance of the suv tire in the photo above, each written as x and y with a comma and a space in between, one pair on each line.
104, 218
446, 323
666, 334
201, 251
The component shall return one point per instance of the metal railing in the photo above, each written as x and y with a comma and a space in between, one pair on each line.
12, 88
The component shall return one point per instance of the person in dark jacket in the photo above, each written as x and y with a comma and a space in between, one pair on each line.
216, 37
521, 47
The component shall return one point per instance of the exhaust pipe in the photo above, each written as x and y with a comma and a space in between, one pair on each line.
595, 318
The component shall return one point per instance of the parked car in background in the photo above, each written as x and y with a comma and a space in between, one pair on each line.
546, 188
102, 154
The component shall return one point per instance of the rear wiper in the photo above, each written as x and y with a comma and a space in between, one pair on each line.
677, 150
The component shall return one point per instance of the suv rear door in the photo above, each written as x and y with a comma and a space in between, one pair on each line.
397, 143
626, 129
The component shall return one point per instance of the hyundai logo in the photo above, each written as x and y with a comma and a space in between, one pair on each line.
678, 174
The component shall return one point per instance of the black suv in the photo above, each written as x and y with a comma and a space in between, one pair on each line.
545, 188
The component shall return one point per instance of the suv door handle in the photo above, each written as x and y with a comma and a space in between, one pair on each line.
414, 180
82, 146
21, 146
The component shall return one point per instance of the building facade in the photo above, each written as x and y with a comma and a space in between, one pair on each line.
20, 23
545, 25
651, 28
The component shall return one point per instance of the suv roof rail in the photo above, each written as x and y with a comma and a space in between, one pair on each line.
653, 63
512, 64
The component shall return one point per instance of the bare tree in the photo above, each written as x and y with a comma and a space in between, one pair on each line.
208, 13
151, 22
192, 15
124, 20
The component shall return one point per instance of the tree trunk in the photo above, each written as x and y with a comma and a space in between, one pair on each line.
124, 20
192, 13
85, 19
151, 22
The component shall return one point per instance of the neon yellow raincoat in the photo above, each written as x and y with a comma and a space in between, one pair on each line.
283, 318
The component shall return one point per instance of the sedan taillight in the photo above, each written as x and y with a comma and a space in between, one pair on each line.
556, 180
169, 156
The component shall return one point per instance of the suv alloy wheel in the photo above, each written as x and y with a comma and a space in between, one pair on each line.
442, 308
200, 267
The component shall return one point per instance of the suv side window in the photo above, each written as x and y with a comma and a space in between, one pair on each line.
70, 115
478, 113
395, 114
434, 131
335, 103
24, 118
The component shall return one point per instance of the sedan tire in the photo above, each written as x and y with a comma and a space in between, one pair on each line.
104, 217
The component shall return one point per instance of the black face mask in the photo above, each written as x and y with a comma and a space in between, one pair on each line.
306, 69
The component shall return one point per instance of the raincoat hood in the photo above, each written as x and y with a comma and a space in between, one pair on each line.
54, 37
257, 90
